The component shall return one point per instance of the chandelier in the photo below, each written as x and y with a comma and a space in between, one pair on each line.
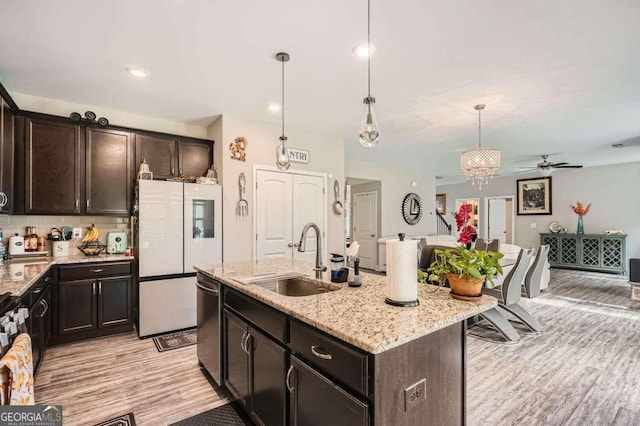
480, 164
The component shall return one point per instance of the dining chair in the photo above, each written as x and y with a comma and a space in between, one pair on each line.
533, 278
508, 294
484, 245
481, 244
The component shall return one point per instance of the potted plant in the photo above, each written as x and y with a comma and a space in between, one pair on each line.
464, 269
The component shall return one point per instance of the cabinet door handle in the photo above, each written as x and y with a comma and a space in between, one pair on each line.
99, 287
47, 279
173, 171
94, 288
291, 388
95, 270
37, 290
45, 307
88, 204
321, 352
247, 349
77, 204
244, 335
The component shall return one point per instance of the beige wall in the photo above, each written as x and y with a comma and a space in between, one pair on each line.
117, 118
327, 156
396, 183
612, 190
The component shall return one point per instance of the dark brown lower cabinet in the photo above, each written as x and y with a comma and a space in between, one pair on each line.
93, 300
236, 377
114, 301
38, 300
268, 362
78, 309
315, 400
254, 370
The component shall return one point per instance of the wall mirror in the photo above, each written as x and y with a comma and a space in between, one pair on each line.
412, 208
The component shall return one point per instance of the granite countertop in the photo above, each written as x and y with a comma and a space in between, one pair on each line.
356, 315
17, 275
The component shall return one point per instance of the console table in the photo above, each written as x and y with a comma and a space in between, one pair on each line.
592, 252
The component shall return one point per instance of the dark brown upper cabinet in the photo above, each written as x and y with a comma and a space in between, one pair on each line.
109, 171
171, 157
6, 157
159, 152
194, 158
52, 168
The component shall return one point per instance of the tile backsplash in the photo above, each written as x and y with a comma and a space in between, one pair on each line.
13, 224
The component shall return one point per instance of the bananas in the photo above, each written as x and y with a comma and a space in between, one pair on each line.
91, 235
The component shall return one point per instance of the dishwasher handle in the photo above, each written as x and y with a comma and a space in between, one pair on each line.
207, 289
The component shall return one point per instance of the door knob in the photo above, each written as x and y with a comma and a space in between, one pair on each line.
372, 235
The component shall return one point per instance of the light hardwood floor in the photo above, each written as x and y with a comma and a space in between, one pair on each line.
583, 370
99, 379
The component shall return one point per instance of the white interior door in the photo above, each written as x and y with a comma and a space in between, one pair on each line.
274, 207
498, 219
365, 227
308, 206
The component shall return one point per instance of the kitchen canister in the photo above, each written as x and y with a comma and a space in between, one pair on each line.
402, 267
60, 248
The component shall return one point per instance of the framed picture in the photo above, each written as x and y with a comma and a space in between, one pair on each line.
441, 203
534, 196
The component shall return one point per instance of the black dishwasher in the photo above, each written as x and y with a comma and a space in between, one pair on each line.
209, 323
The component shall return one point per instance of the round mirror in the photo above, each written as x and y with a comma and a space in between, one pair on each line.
412, 208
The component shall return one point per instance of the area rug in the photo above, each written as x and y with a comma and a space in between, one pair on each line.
226, 415
124, 420
166, 342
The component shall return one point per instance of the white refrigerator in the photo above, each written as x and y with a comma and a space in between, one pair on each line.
179, 226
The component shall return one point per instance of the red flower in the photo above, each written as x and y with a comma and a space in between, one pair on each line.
462, 218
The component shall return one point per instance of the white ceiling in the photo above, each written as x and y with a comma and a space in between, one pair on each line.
558, 77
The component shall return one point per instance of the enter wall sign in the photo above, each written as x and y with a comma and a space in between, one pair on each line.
299, 156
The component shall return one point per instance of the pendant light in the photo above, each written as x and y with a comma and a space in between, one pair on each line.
369, 134
282, 153
480, 164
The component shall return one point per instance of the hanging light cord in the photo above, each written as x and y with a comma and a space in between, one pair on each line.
369, 47
480, 128
282, 102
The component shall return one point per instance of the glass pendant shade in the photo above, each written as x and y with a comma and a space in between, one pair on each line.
282, 155
369, 134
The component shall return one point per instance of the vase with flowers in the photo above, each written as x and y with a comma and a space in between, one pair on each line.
466, 232
581, 211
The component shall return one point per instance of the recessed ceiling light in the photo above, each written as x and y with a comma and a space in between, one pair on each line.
274, 107
362, 50
137, 72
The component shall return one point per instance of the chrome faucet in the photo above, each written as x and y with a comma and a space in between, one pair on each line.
301, 247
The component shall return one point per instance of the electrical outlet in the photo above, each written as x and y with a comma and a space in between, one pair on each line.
415, 394
533, 225
77, 233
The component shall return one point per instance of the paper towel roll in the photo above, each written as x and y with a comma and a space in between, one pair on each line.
402, 267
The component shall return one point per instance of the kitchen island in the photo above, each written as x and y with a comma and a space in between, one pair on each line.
344, 356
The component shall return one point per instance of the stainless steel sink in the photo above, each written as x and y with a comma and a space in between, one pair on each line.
297, 286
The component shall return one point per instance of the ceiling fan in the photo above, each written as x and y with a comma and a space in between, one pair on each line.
547, 166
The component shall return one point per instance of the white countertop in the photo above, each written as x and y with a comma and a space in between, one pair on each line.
356, 315
17, 275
